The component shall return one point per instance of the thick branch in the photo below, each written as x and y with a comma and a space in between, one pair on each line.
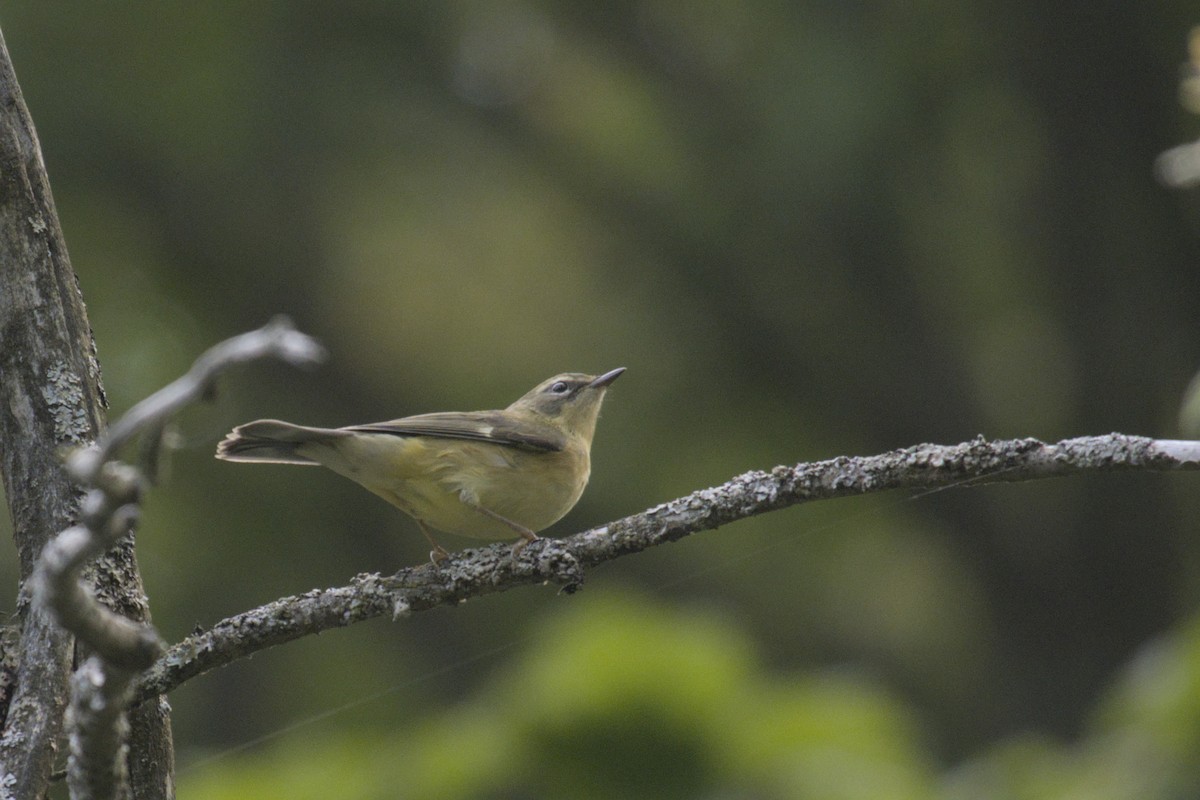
492, 569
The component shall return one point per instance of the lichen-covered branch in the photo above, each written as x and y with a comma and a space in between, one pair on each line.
476, 572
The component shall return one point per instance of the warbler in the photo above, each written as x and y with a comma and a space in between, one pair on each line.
481, 474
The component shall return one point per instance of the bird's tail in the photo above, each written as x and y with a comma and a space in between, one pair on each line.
271, 441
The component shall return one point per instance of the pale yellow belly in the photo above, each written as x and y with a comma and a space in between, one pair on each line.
440, 481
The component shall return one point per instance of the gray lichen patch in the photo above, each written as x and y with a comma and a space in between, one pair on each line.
63, 394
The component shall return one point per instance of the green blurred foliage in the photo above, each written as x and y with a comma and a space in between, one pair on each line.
619, 697
808, 229
623, 696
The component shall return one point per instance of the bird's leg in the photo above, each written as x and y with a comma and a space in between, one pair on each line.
527, 535
438, 554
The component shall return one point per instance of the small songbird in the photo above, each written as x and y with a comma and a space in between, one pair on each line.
482, 474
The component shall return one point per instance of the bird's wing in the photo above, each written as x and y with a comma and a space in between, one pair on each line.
478, 426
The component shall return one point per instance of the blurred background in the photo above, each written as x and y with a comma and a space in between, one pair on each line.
808, 229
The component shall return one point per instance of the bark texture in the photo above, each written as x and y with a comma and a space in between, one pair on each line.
51, 400
472, 573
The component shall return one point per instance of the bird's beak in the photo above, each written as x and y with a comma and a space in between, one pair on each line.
606, 378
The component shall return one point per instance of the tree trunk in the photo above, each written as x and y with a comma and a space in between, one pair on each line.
51, 398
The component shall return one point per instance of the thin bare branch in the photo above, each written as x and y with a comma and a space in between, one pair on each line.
476, 572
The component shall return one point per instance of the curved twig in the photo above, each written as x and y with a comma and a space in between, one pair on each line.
123, 647
277, 339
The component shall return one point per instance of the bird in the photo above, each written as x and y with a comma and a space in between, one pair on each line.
480, 474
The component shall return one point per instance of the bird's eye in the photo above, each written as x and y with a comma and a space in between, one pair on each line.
559, 387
